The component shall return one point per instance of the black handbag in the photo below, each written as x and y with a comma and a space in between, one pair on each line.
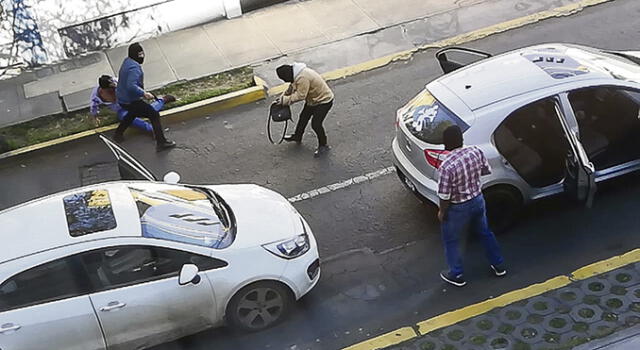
279, 113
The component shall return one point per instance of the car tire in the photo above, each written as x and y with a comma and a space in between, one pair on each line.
259, 306
503, 205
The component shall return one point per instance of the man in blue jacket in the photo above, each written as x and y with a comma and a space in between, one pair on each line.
130, 93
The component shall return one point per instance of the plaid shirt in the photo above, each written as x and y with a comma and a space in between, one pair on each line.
460, 174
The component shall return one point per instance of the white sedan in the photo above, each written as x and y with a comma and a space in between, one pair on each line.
131, 264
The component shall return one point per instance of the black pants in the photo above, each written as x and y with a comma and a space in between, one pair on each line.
318, 112
143, 110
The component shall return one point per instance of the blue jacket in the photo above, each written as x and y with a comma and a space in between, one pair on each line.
130, 82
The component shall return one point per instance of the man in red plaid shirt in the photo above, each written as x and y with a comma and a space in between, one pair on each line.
462, 205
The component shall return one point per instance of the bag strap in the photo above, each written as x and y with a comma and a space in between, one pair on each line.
286, 124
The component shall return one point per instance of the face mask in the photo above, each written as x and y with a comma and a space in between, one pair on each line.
140, 57
136, 53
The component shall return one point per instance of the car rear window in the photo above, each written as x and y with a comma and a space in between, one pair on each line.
89, 212
427, 119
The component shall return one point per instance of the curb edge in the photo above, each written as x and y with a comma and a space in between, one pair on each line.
186, 112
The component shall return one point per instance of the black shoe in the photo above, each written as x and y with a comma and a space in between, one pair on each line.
165, 145
118, 138
292, 138
321, 150
457, 281
499, 270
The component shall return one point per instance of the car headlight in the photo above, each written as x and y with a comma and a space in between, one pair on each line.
289, 248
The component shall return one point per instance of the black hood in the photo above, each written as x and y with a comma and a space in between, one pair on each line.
285, 72
134, 52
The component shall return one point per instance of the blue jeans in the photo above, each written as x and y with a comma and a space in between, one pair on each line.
139, 123
471, 214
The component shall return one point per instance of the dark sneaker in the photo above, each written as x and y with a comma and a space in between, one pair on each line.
499, 270
457, 281
118, 138
168, 98
321, 150
292, 138
165, 145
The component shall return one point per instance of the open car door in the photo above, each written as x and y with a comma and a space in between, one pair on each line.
129, 167
452, 58
580, 174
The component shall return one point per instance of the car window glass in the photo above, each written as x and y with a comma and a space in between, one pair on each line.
127, 265
180, 214
609, 124
89, 212
427, 119
52, 281
532, 140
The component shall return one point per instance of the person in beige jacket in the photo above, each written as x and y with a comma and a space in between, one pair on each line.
306, 84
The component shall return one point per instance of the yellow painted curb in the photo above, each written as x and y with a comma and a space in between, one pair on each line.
610, 264
456, 40
192, 110
453, 317
456, 316
215, 104
385, 340
260, 91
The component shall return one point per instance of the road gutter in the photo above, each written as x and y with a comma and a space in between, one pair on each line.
456, 316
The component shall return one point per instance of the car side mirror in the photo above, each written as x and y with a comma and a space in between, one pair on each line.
171, 177
189, 274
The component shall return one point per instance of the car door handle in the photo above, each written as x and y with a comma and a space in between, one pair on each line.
8, 327
114, 305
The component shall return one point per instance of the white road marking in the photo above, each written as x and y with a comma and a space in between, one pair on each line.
340, 185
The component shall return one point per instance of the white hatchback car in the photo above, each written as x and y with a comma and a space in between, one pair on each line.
550, 118
131, 264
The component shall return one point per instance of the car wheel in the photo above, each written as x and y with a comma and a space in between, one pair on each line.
259, 306
503, 204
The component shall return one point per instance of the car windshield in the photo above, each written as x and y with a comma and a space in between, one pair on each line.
427, 118
192, 215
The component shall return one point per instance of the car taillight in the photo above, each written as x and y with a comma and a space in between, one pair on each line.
435, 156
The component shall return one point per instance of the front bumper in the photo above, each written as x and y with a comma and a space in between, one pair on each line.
423, 186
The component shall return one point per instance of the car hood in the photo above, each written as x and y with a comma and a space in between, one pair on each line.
262, 216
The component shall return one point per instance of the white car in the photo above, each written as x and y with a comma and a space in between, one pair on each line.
550, 118
132, 264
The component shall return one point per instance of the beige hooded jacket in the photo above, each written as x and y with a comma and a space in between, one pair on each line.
307, 85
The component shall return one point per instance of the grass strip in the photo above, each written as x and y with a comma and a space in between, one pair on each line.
59, 125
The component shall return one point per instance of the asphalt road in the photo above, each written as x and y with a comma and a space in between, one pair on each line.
380, 246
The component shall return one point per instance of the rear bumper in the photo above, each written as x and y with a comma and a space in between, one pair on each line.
423, 186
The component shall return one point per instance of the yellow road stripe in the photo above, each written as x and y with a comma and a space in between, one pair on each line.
467, 312
610, 264
456, 40
385, 340
196, 109
456, 316
257, 92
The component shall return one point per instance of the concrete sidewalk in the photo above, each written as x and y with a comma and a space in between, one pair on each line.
326, 34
